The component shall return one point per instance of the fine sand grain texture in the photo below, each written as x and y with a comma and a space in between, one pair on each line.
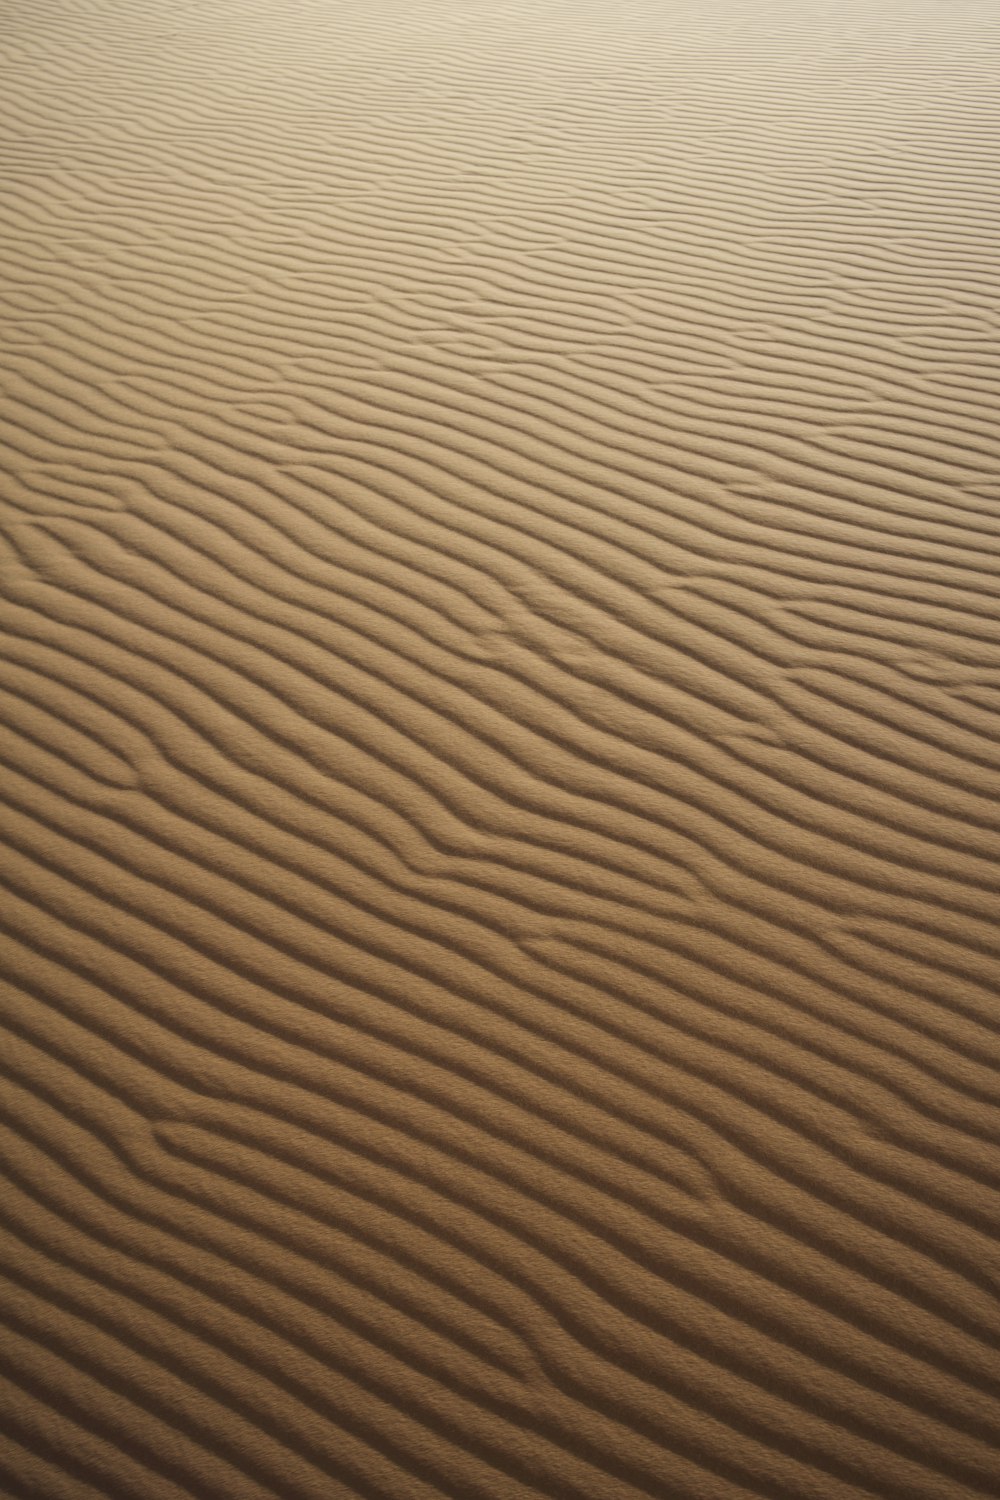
500, 749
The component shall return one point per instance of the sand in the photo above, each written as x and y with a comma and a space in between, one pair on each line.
500, 684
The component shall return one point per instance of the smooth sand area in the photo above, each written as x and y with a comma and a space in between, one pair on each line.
500, 749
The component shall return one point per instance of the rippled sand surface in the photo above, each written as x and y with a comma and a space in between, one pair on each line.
500, 749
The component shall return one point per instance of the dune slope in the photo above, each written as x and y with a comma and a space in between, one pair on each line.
499, 757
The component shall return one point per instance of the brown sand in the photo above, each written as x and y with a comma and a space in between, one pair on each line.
501, 689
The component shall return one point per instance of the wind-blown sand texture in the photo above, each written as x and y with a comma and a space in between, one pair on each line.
500, 762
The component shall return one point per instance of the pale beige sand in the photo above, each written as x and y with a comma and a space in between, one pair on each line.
500, 758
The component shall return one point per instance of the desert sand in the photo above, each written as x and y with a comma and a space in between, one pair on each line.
499, 753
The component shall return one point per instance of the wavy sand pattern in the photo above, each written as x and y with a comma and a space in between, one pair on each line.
500, 763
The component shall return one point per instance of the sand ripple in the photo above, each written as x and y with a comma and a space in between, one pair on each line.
499, 708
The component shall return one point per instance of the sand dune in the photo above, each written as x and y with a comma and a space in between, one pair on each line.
500, 677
